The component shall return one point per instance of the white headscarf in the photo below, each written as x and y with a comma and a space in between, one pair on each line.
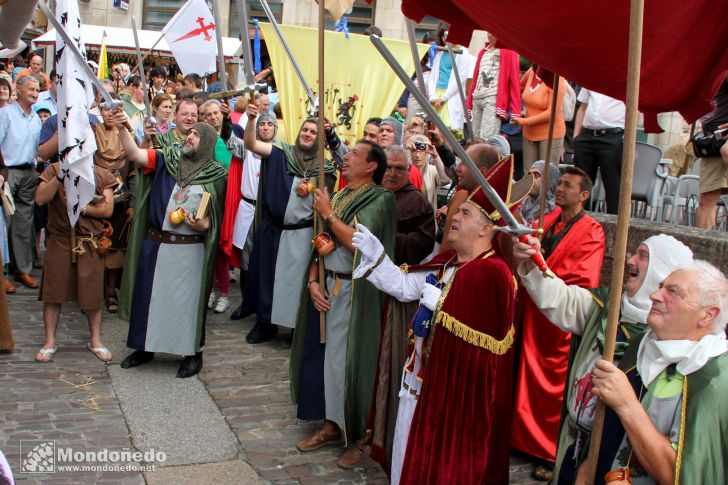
666, 255
689, 355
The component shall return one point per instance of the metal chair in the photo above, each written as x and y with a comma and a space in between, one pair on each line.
648, 181
721, 219
598, 200
683, 203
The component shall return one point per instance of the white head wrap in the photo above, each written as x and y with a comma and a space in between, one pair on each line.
654, 355
666, 255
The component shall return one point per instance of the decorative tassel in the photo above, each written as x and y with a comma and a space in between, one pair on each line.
474, 337
342, 26
432, 53
257, 65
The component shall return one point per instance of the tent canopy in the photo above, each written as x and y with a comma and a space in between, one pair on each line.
684, 55
119, 39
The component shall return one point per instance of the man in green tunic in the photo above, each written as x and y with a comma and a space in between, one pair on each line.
335, 380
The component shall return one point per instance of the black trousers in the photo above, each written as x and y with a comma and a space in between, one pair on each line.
604, 153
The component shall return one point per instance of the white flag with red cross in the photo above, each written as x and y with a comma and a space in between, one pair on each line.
191, 38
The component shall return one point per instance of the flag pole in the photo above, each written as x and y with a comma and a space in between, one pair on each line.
321, 147
636, 14
549, 144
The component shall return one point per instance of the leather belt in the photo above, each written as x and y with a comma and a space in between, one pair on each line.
26, 166
604, 131
166, 237
286, 227
252, 202
334, 274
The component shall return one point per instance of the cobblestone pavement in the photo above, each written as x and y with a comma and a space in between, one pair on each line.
72, 400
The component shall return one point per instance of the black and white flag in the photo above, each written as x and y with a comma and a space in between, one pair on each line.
76, 140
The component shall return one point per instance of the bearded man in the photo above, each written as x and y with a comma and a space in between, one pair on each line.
284, 227
171, 252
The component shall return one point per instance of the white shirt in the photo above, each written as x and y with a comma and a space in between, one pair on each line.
601, 111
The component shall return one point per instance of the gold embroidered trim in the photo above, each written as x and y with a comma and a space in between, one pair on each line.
597, 300
681, 439
474, 337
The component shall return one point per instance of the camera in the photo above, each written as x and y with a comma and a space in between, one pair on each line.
708, 144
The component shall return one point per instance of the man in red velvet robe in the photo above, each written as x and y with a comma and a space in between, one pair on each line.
457, 428
573, 246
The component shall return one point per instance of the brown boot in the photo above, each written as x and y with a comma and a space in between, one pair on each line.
353, 456
327, 435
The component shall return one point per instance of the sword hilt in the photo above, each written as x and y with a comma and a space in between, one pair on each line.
538, 258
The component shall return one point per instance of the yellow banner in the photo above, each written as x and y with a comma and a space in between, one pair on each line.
103, 60
359, 84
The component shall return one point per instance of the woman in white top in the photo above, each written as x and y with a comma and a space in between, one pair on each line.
425, 158
442, 87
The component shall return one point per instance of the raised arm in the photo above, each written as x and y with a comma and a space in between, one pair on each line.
566, 306
260, 148
133, 153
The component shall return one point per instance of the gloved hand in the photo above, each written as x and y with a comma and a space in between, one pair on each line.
367, 244
430, 296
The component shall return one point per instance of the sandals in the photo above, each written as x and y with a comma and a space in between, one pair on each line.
112, 304
45, 355
101, 352
542, 474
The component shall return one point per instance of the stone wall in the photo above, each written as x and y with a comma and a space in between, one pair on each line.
711, 246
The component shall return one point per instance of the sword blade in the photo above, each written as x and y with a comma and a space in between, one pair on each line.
218, 38
245, 39
71, 44
461, 91
140, 61
416, 58
296, 67
513, 226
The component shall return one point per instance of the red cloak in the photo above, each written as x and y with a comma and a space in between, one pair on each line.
462, 419
577, 259
232, 201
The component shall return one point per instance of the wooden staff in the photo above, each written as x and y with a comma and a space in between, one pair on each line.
637, 8
549, 143
321, 147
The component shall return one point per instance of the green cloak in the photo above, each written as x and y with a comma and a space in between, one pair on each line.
702, 450
214, 180
593, 330
376, 210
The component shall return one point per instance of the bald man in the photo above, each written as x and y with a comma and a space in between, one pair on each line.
483, 156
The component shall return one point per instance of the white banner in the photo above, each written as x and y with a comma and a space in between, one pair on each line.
76, 140
191, 38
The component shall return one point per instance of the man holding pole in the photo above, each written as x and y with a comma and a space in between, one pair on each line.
584, 314
342, 371
667, 419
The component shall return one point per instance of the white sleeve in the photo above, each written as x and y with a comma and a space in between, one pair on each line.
583, 96
566, 306
391, 280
